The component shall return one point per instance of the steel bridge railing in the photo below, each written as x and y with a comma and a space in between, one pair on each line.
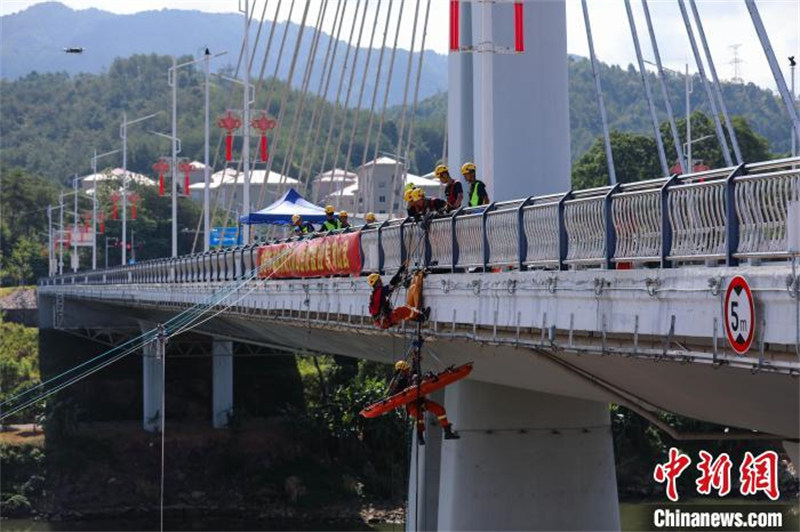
719, 216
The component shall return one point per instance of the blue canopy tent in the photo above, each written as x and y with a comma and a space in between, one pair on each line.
281, 212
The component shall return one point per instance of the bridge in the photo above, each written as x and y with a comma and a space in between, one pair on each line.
565, 300
532, 290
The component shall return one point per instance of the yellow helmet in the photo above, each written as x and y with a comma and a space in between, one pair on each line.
441, 170
329, 209
417, 194
342, 214
402, 365
408, 193
296, 218
467, 167
370, 217
373, 278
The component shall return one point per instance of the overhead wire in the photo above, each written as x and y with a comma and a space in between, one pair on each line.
385, 102
176, 327
404, 111
322, 91
346, 106
334, 112
287, 90
348, 158
361, 186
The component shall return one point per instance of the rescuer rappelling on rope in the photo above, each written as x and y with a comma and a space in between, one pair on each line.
380, 303
404, 378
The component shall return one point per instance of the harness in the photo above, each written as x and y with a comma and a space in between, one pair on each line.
450, 192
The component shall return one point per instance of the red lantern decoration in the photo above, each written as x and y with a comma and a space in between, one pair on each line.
230, 123
263, 123
134, 200
101, 219
161, 167
114, 201
519, 33
86, 216
186, 167
454, 26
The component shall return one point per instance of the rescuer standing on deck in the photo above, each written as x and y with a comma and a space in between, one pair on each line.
477, 189
343, 223
453, 191
301, 228
330, 223
380, 305
419, 206
403, 378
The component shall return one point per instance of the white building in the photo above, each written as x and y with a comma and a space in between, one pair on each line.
228, 183
331, 181
372, 191
90, 182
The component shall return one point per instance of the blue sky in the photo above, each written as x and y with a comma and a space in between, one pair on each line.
726, 23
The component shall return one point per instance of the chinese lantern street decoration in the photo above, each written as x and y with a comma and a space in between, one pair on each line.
161, 167
185, 167
230, 123
101, 219
519, 28
134, 199
454, 26
114, 209
263, 123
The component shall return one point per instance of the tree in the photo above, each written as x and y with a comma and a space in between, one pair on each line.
19, 266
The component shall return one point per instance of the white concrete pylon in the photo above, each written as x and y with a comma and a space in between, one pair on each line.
526, 461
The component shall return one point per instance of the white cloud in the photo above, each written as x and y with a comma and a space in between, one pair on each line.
726, 22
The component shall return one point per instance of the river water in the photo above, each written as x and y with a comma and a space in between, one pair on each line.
634, 517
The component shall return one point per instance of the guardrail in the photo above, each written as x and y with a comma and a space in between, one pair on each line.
718, 216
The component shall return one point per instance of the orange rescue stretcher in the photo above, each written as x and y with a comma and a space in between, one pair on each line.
428, 385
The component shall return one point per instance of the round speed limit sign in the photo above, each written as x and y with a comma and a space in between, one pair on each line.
740, 315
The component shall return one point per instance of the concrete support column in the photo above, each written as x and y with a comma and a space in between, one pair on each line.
526, 461
426, 467
152, 368
222, 382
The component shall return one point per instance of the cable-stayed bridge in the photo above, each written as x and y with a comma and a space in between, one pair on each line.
565, 300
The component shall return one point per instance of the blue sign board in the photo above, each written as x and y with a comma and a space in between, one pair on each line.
230, 236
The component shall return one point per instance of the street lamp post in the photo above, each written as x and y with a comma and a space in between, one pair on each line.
172, 81
61, 234
74, 258
124, 135
688, 89
50, 248
792, 66
94, 205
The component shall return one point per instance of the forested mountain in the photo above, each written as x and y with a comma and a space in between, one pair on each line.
33, 39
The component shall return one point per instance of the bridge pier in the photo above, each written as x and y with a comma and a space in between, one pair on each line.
222, 382
526, 461
428, 465
152, 368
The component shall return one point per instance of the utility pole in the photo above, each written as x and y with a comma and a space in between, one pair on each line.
206, 170
123, 133
74, 258
94, 205
174, 83
61, 234
246, 122
688, 89
50, 250
792, 66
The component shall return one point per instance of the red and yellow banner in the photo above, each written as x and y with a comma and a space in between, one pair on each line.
318, 257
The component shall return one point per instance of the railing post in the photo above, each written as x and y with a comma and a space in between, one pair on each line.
522, 240
732, 226
563, 240
666, 225
485, 245
611, 234
403, 254
380, 246
454, 240
426, 259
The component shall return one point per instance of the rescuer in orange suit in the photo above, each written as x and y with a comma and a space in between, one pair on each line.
403, 378
380, 305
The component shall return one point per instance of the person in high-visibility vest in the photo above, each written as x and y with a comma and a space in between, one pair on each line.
331, 223
453, 191
300, 227
477, 189
403, 378
419, 206
343, 223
